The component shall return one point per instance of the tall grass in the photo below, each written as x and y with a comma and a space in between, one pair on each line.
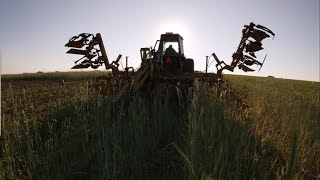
90, 137
282, 109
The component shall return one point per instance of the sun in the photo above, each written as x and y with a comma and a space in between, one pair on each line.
173, 27
177, 27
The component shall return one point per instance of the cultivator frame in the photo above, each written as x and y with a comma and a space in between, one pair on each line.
154, 71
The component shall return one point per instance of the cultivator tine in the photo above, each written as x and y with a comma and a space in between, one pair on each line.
244, 68
263, 62
81, 66
79, 60
78, 51
254, 61
265, 29
254, 46
248, 62
259, 35
78, 41
252, 54
75, 44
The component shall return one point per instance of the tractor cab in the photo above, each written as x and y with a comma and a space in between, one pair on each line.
173, 40
170, 52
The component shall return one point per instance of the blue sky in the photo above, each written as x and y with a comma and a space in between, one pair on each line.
33, 32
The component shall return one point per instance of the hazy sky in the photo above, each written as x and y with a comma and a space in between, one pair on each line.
33, 32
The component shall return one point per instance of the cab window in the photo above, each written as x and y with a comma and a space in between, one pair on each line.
175, 46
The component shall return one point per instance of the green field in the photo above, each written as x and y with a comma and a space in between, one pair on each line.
54, 126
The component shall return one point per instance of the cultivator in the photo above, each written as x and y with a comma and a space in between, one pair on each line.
251, 42
164, 65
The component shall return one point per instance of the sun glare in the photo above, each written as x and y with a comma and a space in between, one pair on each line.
177, 27
173, 27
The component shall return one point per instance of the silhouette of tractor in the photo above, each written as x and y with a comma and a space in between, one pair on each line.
165, 64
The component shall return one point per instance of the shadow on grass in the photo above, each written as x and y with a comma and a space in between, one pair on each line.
220, 144
97, 139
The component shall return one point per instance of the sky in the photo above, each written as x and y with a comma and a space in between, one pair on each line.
33, 32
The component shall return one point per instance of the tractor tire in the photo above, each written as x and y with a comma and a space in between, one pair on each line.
188, 66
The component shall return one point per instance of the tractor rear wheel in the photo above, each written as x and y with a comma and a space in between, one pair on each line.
188, 66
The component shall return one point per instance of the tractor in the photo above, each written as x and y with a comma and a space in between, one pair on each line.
170, 54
